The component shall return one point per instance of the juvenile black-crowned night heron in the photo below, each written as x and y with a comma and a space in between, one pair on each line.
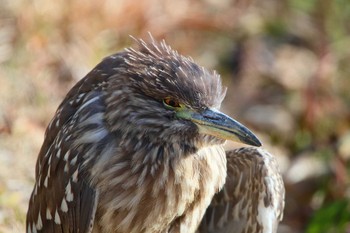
136, 146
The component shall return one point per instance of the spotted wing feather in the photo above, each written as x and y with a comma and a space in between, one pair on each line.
63, 199
252, 199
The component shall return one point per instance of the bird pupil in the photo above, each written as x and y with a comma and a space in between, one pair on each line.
171, 102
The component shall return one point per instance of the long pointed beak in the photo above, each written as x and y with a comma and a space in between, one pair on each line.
216, 123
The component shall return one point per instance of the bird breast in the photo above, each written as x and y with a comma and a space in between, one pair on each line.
167, 196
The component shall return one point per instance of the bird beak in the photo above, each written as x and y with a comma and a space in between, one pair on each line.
217, 124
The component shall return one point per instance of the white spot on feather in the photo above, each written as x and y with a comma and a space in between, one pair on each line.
46, 181
48, 151
73, 161
39, 224
58, 154
66, 155
49, 171
48, 214
92, 135
69, 194
86, 104
57, 218
64, 206
68, 137
50, 124
34, 229
75, 176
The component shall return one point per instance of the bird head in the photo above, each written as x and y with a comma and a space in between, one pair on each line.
170, 98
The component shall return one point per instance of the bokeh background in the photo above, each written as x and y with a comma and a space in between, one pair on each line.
286, 64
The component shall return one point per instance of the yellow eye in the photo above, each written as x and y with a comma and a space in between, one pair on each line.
171, 102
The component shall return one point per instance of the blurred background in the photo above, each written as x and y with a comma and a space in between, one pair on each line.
286, 65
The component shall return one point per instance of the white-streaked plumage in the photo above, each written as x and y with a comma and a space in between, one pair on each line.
252, 199
116, 159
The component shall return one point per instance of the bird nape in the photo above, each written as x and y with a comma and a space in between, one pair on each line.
136, 146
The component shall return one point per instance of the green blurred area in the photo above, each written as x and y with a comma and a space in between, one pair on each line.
331, 218
285, 63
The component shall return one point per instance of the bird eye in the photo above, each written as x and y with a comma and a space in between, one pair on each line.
171, 102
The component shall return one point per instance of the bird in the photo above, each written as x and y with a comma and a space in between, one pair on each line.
252, 199
137, 146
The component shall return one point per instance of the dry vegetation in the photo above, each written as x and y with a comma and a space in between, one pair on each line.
286, 64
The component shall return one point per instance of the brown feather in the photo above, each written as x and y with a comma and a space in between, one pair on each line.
252, 199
